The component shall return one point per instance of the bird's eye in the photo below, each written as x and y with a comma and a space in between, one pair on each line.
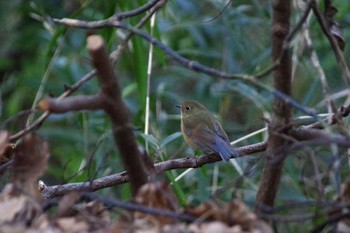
187, 108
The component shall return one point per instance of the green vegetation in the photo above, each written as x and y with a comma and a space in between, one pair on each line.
38, 57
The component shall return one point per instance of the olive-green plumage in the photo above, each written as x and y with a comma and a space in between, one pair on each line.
203, 132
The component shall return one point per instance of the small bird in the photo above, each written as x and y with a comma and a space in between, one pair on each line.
203, 132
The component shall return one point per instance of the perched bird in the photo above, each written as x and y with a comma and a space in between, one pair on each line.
203, 132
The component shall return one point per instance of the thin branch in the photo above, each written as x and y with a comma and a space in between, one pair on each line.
114, 22
140, 10
320, 137
337, 51
315, 61
312, 137
341, 113
112, 203
39, 93
120, 178
46, 114
331, 220
303, 218
190, 64
116, 54
3, 167
219, 13
193, 65
34, 125
286, 43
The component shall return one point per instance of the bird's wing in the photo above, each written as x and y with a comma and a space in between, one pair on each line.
215, 140
220, 131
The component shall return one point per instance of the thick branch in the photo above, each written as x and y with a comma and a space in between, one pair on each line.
156, 4
74, 103
115, 107
89, 186
282, 113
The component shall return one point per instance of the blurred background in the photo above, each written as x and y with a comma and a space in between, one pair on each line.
38, 57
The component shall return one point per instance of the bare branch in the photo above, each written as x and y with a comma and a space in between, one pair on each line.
140, 10
333, 42
137, 207
315, 137
194, 65
116, 54
90, 186
320, 137
115, 107
341, 113
46, 114
112, 180
74, 103
156, 3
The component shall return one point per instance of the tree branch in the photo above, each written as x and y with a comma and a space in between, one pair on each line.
120, 178
156, 4
302, 133
115, 107
46, 114
140, 10
194, 65
74, 103
333, 42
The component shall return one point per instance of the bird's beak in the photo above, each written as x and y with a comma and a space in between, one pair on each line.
178, 106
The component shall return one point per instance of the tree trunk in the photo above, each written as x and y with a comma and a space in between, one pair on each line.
282, 113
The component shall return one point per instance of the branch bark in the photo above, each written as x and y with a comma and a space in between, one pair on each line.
115, 107
73, 103
120, 178
282, 113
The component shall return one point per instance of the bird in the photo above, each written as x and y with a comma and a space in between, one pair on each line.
203, 132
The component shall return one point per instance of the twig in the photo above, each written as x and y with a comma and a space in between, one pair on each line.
341, 113
46, 114
315, 137
112, 203
193, 65
286, 43
337, 52
315, 61
219, 13
135, 12
319, 137
114, 55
